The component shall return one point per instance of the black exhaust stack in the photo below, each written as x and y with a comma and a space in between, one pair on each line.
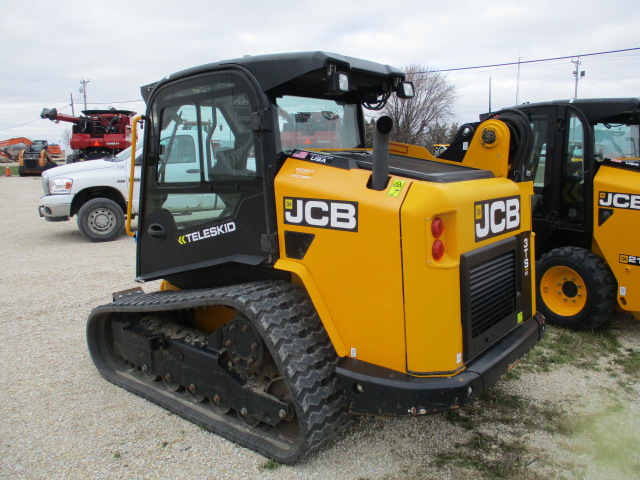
380, 164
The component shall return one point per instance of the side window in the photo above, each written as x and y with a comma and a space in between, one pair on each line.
205, 160
178, 161
541, 162
572, 198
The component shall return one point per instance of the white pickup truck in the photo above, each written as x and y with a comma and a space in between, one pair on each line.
96, 191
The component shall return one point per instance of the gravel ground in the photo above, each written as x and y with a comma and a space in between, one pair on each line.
61, 420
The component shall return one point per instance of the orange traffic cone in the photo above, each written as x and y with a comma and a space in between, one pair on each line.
7, 173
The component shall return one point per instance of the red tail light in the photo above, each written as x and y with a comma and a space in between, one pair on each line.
437, 249
437, 227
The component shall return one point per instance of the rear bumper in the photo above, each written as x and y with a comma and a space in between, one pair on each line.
380, 391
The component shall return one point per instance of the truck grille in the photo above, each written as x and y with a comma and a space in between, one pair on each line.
491, 295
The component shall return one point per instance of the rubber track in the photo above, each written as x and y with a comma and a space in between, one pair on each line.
293, 333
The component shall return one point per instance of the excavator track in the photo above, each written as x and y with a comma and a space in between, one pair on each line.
265, 379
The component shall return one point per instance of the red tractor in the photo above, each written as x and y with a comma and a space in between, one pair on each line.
96, 134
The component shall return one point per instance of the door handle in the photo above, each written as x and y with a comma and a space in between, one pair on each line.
157, 231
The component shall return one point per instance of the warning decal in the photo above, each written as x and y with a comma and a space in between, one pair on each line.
396, 188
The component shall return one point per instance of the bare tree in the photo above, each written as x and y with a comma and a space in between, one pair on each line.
431, 107
66, 136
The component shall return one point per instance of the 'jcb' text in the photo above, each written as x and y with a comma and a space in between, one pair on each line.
619, 200
311, 212
496, 216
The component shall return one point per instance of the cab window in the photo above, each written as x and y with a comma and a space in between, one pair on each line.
572, 199
312, 123
205, 158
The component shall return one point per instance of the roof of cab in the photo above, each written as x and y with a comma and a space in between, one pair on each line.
275, 70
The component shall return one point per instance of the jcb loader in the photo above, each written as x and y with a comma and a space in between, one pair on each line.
585, 165
306, 276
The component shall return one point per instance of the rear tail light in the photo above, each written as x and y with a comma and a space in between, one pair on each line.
437, 229
437, 249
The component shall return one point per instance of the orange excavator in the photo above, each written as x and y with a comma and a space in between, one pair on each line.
5, 156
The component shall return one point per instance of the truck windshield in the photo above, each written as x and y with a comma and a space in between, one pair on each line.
312, 123
616, 141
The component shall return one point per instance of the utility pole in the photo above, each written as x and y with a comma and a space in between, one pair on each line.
578, 75
83, 90
73, 112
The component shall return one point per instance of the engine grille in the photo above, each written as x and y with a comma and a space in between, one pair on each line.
492, 292
491, 296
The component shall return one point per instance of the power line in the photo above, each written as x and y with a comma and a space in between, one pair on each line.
531, 61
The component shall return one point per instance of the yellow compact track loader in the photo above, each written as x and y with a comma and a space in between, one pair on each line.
306, 276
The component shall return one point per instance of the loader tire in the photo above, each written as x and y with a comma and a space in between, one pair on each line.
100, 220
576, 288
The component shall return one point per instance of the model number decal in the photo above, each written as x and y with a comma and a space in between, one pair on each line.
630, 259
313, 212
619, 200
527, 263
496, 216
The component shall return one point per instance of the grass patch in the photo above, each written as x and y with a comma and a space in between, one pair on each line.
490, 456
629, 360
270, 465
455, 417
497, 426
495, 406
505, 455
582, 349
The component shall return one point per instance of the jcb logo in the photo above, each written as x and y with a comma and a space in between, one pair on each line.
619, 200
630, 259
496, 216
311, 212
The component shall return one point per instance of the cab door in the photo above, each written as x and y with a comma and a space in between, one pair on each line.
560, 166
203, 201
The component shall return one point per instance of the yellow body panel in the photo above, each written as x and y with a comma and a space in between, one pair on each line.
617, 240
492, 156
378, 292
355, 277
432, 288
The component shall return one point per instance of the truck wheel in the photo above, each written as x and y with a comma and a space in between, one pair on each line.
101, 220
575, 288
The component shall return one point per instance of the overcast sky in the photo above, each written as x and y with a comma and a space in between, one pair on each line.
48, 47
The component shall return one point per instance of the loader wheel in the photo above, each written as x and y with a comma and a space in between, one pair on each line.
101, 220
575, 288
